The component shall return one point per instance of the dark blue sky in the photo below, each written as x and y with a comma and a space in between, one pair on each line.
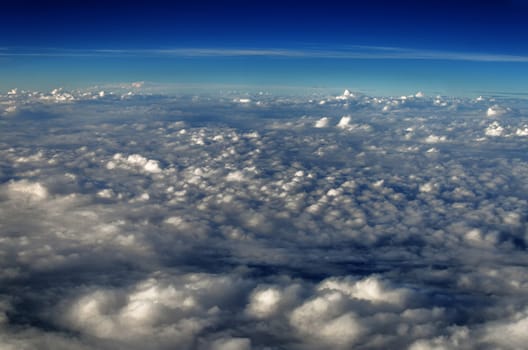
36, 36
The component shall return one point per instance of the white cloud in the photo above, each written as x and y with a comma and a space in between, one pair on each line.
435, 139
26, 190
264, 302
106, 193
57, 95
10, 109
323, 319
156, 311
427, 187
344, 122
459, 339
497, 111
523, 131
371, 289
346, 95
494, 129
508, 334
134, 161
322, 123
235, 176
242, 100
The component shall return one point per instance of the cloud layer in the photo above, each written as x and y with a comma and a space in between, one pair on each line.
252, 221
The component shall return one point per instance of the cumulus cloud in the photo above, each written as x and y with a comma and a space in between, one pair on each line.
159, 311
242, 100
497, 111
371, 289
264, 303
361, 222
344, 122
523, 131
435, 139
322, 320
134, 161
494, 129
10, 109
510, 333
322, 123
26, 190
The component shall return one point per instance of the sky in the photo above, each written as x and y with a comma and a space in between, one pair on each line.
384, 47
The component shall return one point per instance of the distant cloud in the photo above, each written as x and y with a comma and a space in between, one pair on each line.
350, 52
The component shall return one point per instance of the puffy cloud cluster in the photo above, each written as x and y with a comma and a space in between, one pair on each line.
158, 312
134, 161
497, 111
277, 222
25, 190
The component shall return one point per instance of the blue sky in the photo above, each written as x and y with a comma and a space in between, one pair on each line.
387, 47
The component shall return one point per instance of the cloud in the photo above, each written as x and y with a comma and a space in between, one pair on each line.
231, 344
350, 52
496, 111
206, 224
322, 123
494, 129
508, 334
344, 122
321, 320
435, 139
25, 190
158, 311
371, 289
264, 303
134, 161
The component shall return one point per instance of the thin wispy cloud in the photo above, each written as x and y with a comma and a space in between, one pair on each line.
350, 52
